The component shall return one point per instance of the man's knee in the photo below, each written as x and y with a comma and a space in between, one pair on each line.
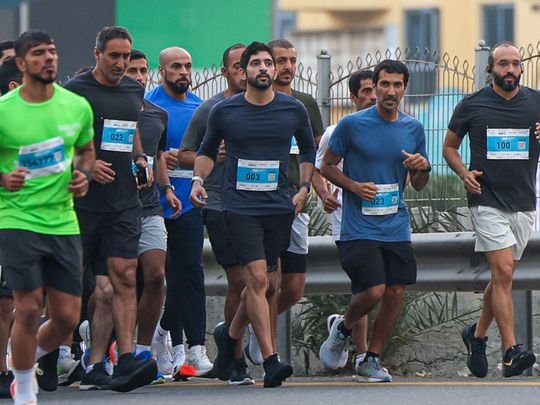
374, 294
502, 274
104, 291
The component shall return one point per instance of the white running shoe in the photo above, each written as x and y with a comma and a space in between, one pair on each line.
160, 350
252, 349
198, 359
84, 332
335, 349
13, 392
66, 368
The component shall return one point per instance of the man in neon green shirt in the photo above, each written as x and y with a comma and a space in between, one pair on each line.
46, 157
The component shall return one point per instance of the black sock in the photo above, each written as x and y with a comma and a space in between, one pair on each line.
371, 354
344, 331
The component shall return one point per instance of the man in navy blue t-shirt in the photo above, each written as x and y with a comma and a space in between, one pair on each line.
258, 209
380, 147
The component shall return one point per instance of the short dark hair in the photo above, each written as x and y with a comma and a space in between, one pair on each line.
9, 72
252, 49
225, 60
491, 60
391, 66
280, 43
6, 45
108, 33
356, 78
136, 54
30, 39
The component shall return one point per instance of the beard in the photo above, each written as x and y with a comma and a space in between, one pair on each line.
43, 80
178, 88
284, 82
502, 83
254, 82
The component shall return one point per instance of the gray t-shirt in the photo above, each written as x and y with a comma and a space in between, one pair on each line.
192, 140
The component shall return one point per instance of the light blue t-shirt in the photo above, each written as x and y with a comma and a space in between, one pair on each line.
371, 150
180, 113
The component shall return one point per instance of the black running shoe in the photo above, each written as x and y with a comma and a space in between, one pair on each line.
46, 371
275, 372
97, 379
6, 378
225, 346
476, 350
131, 373
516, 361
240, 375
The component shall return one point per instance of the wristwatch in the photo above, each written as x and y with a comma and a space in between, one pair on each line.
305, 184
167, 187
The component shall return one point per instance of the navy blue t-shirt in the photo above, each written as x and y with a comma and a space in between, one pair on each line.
258, 140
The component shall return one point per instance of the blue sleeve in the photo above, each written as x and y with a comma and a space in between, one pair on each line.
421, 141
213, 136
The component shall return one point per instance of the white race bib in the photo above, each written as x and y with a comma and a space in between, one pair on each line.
118, 135
179, 173
385, 202
507, 143
257, 175
43, 158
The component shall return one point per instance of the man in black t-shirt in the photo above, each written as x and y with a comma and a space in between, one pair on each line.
256, 198
500, 183
109, 215
152, 126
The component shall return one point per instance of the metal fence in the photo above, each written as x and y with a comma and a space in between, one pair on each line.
437, 83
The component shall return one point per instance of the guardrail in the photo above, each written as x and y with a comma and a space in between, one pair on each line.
446, 262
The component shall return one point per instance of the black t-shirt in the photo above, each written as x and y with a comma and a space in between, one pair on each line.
260, 135
119, 108
507, 184
153, 131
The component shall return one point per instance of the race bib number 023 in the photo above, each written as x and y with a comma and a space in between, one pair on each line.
385, 202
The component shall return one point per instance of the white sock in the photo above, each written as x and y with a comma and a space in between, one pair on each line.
161, 333
40, 352
141, 348
65, 352
24, 389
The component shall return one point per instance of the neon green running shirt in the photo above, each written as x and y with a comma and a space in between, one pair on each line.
42, 137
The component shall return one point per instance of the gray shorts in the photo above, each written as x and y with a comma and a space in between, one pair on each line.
33, 260
153, 234
495, 229
299, 235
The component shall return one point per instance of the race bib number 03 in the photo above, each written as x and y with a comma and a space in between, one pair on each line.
43, 158
257, 175
506, 143
118, 136
385, 202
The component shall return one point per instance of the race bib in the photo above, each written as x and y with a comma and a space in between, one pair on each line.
507, 143
385, 202
294, 146
118, 136
43, 158
257, 175
179, 173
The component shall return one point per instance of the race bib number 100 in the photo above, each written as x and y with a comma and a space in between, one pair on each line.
507, 143
43, 158
118, 136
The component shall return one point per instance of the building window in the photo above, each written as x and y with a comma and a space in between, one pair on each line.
422, 40
498, 23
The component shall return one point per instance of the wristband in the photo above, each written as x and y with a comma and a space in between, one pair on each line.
140, 155
305, 184
197, 178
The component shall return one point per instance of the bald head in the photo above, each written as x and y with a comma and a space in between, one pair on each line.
172, 52
175, 69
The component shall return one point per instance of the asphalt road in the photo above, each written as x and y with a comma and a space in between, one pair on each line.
315, 391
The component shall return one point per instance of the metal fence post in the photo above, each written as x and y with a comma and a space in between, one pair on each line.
323, 87
284, 336
480, 62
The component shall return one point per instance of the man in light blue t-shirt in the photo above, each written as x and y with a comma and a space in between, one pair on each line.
375, 242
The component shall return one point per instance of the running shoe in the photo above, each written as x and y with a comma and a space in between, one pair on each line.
197, 363
225, 347
252, 349
46, 371
516, 361
371, 370
69, 370
476, 351
132, 373
6, 378
336, 347
240, 375
275, 372
96, 379
162, 354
